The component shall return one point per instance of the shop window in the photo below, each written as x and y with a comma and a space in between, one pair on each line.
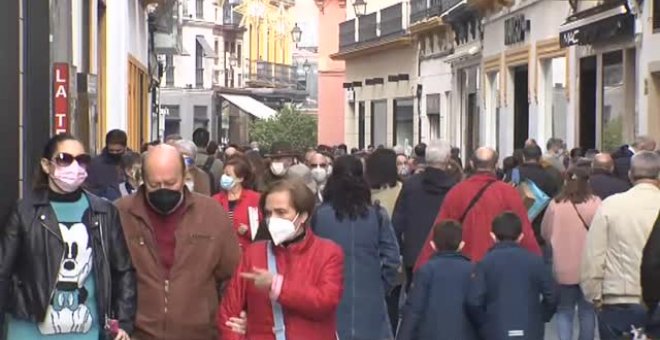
379, 122
138, 105
361, 125
201, 117
172, 127
403, 122
613, 101
169, 73
433, 114
555, 100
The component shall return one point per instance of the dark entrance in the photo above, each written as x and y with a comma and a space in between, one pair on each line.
472, 124
521, 106
588, 69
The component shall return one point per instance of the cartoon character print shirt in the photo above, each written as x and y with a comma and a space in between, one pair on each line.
72, 313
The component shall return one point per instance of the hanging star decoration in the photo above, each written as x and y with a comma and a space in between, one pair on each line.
280, 20
254, 11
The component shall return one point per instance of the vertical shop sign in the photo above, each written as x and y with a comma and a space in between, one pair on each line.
61, 97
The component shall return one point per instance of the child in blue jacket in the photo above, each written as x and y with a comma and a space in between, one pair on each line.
435, 309
512, 292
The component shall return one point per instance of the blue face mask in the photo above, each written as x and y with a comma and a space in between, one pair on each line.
227, 182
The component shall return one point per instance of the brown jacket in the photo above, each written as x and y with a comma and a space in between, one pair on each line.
207, 253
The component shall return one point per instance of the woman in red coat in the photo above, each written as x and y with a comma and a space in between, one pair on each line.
291, 286
241, 204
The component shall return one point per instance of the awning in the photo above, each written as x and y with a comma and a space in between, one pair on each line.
208, 50
597, 24
250, 106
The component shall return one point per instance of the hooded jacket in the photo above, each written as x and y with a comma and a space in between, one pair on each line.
416, 209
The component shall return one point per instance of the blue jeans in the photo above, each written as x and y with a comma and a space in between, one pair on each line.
615, 321
570, 297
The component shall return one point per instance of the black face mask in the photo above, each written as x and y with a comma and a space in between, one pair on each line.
164, 200
115, 157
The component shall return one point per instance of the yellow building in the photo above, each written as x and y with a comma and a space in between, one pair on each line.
269, 45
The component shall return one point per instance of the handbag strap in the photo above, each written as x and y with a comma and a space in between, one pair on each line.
584, 223
278, 315
475, 199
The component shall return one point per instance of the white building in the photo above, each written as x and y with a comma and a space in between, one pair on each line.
382, 97
525, 76
187, 95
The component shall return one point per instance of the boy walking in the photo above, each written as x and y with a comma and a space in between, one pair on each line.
512, 293
435, 309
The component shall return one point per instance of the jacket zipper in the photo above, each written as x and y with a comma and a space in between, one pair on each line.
104, 269
57, 273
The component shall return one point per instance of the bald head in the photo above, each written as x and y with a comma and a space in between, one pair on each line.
603, 161
163, 167
484, 159
644, 143
645, 165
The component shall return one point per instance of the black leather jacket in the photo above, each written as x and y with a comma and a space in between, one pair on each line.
31, 252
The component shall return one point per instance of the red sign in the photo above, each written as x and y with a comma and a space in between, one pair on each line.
61, 97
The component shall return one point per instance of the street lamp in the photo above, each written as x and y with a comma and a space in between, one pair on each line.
360, 7
306, 66
296, 34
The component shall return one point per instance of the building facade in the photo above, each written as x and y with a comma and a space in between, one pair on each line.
382, 97
331, 73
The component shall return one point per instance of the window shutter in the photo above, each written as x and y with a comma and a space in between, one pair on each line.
656, 14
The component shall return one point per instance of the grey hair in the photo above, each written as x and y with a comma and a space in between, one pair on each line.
645, 143
438, 152
645, 165
187, 148
399, 150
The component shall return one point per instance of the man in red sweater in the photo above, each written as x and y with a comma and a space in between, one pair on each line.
475, 203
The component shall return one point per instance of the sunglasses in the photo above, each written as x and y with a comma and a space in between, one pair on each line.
66, 159
323, 166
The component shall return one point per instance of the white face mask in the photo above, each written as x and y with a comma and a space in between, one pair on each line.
277, 168
281, 229
191, 185
319, 174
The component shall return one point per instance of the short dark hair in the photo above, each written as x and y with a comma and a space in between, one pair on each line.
343, 147
129, 159
116, 137
212, 148
201, 137
532, 152
447, 235
40, 177
381, 169
507, 227
420, 150
302, 198
242, 169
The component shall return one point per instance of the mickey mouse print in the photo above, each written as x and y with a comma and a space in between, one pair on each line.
69, 310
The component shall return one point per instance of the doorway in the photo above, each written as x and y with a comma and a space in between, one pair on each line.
472, 125
521, 106
588, 69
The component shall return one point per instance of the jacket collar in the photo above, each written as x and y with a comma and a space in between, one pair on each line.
302, 245
645, 187
139, 206
451, 255
96, 204
505, 244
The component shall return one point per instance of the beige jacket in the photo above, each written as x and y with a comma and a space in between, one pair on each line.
617, 236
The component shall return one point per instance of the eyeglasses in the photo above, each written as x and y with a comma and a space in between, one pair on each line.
66, 159
318, 166
188, 161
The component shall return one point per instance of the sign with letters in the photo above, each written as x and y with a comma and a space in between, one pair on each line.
61, 98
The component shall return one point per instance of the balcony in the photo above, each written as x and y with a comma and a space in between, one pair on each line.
374, 30
424, 9
230, 18
267, 74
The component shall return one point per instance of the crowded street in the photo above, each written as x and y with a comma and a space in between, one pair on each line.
330, 170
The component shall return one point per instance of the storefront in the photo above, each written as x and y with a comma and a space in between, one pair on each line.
605, 63
465, 121
525, 76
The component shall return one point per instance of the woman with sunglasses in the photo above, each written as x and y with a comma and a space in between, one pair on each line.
65, 270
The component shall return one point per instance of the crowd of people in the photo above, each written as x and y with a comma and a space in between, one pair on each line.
186, 239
